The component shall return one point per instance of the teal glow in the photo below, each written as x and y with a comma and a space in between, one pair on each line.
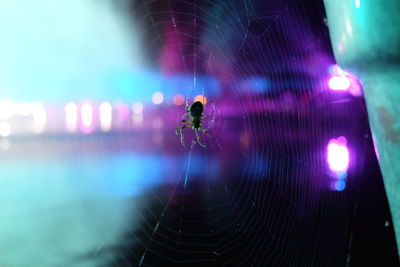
65, 51
58, 208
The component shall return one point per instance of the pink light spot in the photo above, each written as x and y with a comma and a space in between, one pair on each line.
339, 83
123, 111
179, 99
338, 156
375, 147
87, 111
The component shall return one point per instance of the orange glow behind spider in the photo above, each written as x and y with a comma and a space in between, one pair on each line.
201, 98
179, 99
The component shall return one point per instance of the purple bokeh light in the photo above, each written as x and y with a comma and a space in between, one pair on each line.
338, 156
339, 83
341, 80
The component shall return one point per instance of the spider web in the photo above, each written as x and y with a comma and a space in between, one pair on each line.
259, 194
270, 202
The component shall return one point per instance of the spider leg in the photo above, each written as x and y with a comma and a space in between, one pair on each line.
181, 134
180, 123
198, 138
205, 132
209, 114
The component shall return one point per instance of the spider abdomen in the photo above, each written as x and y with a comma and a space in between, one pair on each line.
196, 109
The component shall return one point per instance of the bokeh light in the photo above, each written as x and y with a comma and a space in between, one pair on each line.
339, 83
201, 98
338, 185
137, 108
375, 147
6, 110
71, 116
39, 117
5, 128
105, 116
179, 99
87, 117
22, 109
157, 98
342, 80
338, 156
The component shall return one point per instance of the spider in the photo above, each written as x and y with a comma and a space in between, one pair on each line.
195, 114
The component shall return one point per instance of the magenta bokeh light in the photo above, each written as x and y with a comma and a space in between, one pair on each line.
341, 80
338, 155
339, 83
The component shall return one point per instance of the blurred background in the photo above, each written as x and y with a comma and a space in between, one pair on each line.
92, 173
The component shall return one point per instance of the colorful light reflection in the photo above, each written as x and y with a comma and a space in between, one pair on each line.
344, 81
87, 117
157, 98
5, 129
338, 155
39, 117
339, 83
105, 116
179, 99
338, 158
201, 98
71, 117
137, 108
338, 185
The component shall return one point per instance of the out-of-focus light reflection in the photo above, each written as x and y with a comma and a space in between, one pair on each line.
338, 155
87, 117
201, 98
137, 108
22, 109
342, 80
339, 83
71, 116
5, 128
39, 117
357, 3
105, 116
338, 185
157, 98
179, 99
123, 111
375, 147
6, 110
355, 88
